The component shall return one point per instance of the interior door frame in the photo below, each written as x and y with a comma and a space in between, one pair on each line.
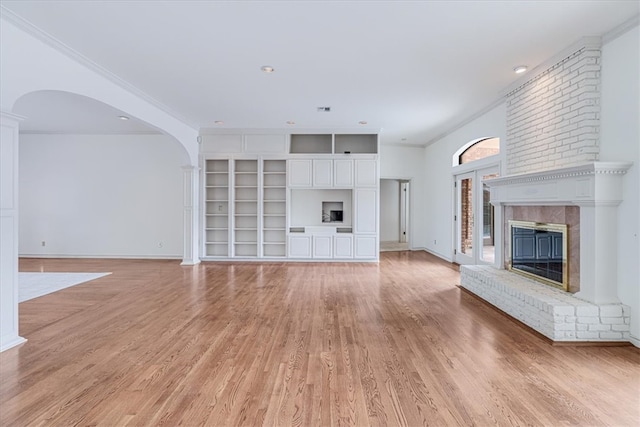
475, 170
458, 255
404, 210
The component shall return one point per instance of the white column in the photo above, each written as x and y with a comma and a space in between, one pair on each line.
9, 231
599, 252
190, 180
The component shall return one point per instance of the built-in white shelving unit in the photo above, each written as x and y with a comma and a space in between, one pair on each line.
301, 196
274, 210
245, 224
216, 215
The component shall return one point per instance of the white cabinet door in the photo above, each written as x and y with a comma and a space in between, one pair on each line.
300, 246
343, 246
343, 173
323, 173
299, 173
366, 247
366, 173
366, 211
322, 246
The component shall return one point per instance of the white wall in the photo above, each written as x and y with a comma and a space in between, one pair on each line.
406, 162
101, 195
620, 141
389, 210
438, 192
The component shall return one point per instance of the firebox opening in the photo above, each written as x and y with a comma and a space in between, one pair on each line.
539, 251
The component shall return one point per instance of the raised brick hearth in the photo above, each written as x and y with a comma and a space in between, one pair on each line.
556, 314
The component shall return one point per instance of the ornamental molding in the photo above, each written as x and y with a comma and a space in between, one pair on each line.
587, 169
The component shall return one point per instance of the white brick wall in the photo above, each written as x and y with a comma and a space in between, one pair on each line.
556, 314
553, 120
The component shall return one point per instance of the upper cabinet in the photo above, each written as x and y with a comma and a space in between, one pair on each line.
300, 173
343, 173
366, 173
330, 173
323, 173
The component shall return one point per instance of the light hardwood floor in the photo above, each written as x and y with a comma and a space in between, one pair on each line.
394, 343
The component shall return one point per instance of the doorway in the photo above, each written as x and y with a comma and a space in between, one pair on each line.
474, 218
394, 214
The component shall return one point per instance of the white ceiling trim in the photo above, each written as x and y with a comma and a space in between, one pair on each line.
35, 132
621, 29
61, 47
468, 120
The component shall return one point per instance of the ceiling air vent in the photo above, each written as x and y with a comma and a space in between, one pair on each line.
324, 109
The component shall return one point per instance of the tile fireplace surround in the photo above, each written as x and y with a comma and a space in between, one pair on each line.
591, 311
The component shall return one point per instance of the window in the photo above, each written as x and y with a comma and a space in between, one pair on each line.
479, 150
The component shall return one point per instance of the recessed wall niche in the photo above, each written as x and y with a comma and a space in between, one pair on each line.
332, 212
308, 207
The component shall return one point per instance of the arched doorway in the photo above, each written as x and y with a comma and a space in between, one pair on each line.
475, 218
94, 185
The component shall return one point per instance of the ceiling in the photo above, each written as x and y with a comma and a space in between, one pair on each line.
411, 69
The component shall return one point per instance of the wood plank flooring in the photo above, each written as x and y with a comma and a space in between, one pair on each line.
301, 344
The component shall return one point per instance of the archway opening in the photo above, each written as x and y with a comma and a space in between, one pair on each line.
92, 184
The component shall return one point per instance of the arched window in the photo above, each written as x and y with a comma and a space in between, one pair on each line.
477, 150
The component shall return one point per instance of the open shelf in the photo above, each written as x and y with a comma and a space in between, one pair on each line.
216, 217
305, 144
356, 144
245, 232
334, 144
274, 208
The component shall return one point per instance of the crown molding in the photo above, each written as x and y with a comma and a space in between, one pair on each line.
497, 101
76, 56
9, 115
585, 43
621, 29
401, 145
27, 132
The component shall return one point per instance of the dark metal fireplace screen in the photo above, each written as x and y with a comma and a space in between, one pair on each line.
539, 251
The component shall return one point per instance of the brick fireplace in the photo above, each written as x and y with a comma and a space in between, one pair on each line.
553, 176
585, 197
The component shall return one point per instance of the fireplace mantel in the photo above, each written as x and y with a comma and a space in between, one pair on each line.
595, 187
587, 184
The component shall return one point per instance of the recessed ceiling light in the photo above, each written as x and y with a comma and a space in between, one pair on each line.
362, 122
267, 69
123, 117
219, 122
520, 69
291, 122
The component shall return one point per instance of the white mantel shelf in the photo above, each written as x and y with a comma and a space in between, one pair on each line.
585, 184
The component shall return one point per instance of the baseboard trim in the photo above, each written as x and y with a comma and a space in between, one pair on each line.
12, 343
50, 256
439, 255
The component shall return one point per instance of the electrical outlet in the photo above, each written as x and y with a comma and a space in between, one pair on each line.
44, 243
160, 244
435, 242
